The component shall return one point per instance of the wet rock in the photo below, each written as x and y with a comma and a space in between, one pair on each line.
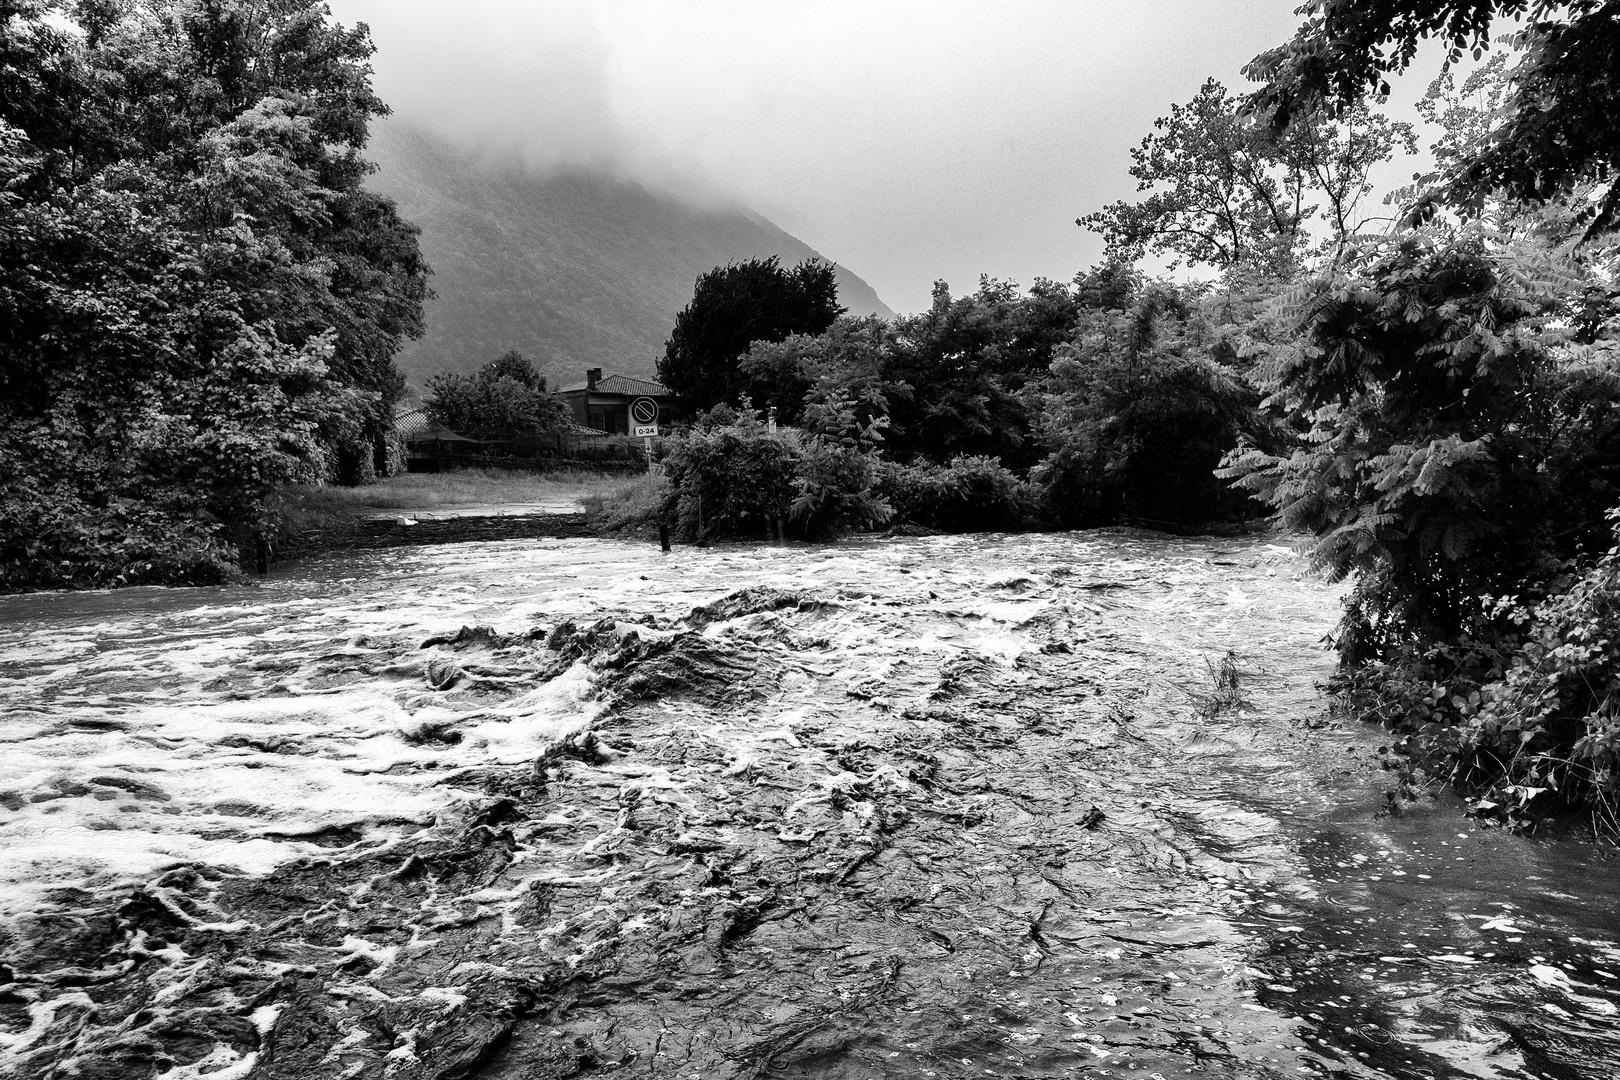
692, 668
138, 788
473, 637
748, 601
442, 674
459, 1045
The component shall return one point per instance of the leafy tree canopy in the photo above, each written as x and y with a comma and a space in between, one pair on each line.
198, 300
504, 399
1559, 127
1461, 432
1226, 191
1138, 410
734, 306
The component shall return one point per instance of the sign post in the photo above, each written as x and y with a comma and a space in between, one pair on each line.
644, 415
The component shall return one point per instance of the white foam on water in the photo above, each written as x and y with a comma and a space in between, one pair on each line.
237, 784
125, 752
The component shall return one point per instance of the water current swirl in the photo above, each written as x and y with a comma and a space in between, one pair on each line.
915, 807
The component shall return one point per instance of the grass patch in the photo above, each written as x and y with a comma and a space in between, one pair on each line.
306, 513
466, 487
628, 505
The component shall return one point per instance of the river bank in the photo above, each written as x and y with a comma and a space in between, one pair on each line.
943, 806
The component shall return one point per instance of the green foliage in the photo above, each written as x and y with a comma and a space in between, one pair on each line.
970, 494
1456, 403
1227, 191
1132, 392
944, 382
835, 482
200, 301
779, 374
1137, 413
1550, 724
1457, 443
730, 480
734, 306
504, 399
951, 375
1558, 130
733, 477
1527, 720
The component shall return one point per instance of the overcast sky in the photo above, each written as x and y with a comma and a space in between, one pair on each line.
907, 140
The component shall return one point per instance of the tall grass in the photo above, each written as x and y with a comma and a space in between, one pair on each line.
305, 510
628, 505
467, 487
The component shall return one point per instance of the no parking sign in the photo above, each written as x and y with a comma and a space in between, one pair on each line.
644, 415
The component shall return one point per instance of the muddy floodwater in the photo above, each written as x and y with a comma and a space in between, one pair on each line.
915, 807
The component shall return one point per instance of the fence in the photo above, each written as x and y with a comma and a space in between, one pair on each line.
547, 453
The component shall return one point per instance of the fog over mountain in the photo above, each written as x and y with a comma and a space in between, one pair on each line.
914, 140
575, 266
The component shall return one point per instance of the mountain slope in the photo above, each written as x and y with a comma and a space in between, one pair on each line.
577, 269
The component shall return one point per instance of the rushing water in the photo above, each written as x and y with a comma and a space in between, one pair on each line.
966, 806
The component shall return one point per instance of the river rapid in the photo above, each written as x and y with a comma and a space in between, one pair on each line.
913, 807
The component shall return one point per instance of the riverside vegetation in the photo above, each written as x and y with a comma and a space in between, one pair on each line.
1431, 402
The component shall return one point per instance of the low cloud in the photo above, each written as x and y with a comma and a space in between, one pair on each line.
908, 139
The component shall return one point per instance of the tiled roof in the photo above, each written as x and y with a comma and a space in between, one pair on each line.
414, 426
623, 384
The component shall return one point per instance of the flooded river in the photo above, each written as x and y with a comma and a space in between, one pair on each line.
926, 807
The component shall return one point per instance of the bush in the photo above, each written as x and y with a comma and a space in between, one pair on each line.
53, 540
730, 476
504, 399
1551, 724
971, 494
729, 481
1529, 720
634, 505
836, 482
1455, 446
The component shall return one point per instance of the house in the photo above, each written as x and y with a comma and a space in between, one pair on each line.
604, 403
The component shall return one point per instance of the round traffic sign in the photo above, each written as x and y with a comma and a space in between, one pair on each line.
644, 410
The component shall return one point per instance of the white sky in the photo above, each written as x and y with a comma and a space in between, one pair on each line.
908, 140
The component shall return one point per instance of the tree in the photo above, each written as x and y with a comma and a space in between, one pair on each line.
1458, 439
198, 299
952, 373
847, 359
504, 399
1137, 412
1227, 191
734, 306
1559, 129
